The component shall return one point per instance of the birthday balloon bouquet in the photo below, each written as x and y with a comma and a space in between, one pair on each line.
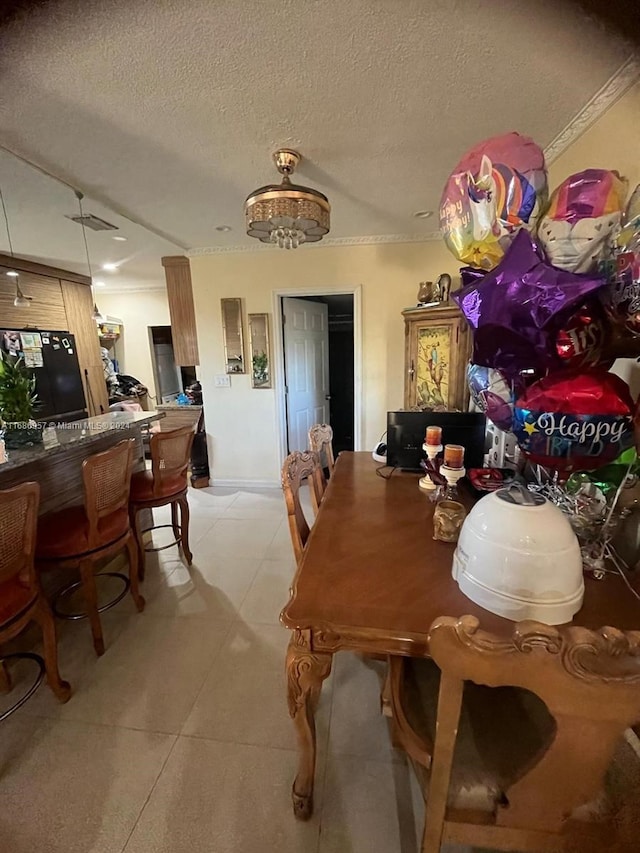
551, 291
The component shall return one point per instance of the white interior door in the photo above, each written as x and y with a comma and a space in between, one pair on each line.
306, 352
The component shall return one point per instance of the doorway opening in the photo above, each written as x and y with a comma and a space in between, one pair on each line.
318, 364
170, 380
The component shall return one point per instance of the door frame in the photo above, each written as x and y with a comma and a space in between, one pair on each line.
154, 366
278, 358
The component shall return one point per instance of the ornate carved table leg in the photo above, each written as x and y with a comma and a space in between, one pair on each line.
306, 670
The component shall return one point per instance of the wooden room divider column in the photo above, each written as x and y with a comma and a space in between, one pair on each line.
183, 316
185, 348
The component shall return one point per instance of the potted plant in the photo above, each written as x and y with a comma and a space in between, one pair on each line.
260, 368
18, 400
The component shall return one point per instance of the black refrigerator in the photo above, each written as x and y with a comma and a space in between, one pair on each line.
53, 358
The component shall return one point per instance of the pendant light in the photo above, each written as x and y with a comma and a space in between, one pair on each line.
97, 315
20, 301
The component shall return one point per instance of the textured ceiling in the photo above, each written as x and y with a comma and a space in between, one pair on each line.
169, 110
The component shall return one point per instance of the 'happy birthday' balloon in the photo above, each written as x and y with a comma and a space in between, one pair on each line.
575, 420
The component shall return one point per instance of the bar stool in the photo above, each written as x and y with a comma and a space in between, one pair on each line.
21, 599
165, 483
78, 536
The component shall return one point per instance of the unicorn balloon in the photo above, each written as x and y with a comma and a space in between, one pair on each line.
497, 188
583, 216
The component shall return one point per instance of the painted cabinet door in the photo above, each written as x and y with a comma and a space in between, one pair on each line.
438, 346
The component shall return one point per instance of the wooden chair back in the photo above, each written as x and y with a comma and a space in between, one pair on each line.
320, 438
170, 455
589, 682
298, 467
106, 478
18, 527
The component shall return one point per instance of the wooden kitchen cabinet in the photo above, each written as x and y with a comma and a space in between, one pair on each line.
61, 300
437, 351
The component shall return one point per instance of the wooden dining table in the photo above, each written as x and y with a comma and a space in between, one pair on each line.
372, 580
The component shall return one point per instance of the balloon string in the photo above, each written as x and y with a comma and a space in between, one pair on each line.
607, 521
614, 559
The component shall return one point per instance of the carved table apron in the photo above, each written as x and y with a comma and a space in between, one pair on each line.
373, 580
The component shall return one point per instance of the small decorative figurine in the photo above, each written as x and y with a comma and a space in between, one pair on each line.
453, 469
444, 285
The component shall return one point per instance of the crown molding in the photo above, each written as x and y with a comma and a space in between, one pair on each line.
613, 90
137, 288
371, 240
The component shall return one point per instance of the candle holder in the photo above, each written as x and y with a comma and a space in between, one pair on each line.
454, 455
433, 436
432, 451
452, 475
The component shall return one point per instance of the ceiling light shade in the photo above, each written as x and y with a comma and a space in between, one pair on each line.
21, 301
287, 214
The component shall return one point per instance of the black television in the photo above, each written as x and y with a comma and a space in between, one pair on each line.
406, 432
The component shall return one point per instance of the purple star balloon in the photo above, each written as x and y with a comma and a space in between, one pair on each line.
517, 309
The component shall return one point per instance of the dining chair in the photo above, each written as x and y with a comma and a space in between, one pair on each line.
320, 441
529, 751
82, 536
21, 599
298, 467
165, 484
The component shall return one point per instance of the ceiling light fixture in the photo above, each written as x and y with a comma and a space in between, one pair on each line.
96, 311
120, 238
287, 214
223, 228
20, 301
110, 267
423, 214
99, 284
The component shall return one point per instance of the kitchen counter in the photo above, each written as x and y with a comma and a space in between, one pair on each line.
62, 437
56, 464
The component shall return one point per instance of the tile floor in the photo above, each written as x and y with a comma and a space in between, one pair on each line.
178, 739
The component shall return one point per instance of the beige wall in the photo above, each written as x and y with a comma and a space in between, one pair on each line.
613, 142
241, 421
138, 310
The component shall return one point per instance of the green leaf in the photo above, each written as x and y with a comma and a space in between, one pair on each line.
18, 398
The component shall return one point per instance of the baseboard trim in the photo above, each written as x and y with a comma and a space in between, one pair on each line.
245, 484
